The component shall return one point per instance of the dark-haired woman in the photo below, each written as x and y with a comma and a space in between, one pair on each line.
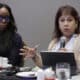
10, 40
67, 25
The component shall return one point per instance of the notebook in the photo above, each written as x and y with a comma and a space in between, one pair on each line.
51, 58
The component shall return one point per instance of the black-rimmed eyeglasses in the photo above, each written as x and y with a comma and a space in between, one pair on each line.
6, 18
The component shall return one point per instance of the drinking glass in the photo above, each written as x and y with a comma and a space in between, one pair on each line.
63, 71
1, 62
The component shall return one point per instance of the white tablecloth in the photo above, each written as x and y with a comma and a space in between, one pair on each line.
76, 77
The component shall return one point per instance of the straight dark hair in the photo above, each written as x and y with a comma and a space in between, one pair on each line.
67, 9
7, 34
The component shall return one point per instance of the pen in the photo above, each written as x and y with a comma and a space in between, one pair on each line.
36, 46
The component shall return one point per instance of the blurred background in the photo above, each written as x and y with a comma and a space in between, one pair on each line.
35, 19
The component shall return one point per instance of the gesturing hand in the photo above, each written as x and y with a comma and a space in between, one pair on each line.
28, 52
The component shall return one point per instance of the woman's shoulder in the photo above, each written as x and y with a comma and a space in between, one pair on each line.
77, 37
76, 46
52, 43
77, 40
17, 35
17, 38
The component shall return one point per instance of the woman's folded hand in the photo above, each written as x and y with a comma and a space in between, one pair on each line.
63, 50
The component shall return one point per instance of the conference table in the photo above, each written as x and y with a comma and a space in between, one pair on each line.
3, 76
9, 76
76, 77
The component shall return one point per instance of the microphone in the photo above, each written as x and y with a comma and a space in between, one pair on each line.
62, 42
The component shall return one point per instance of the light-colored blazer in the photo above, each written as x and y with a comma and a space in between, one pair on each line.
76, 49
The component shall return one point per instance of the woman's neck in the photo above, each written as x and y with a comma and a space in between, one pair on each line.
68, 37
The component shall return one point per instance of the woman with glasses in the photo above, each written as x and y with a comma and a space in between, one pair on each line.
10, 40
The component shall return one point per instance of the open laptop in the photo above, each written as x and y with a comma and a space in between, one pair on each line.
51, 58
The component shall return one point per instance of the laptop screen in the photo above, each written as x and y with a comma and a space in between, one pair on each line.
51, 58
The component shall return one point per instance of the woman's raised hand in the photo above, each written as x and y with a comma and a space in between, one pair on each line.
28, 52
